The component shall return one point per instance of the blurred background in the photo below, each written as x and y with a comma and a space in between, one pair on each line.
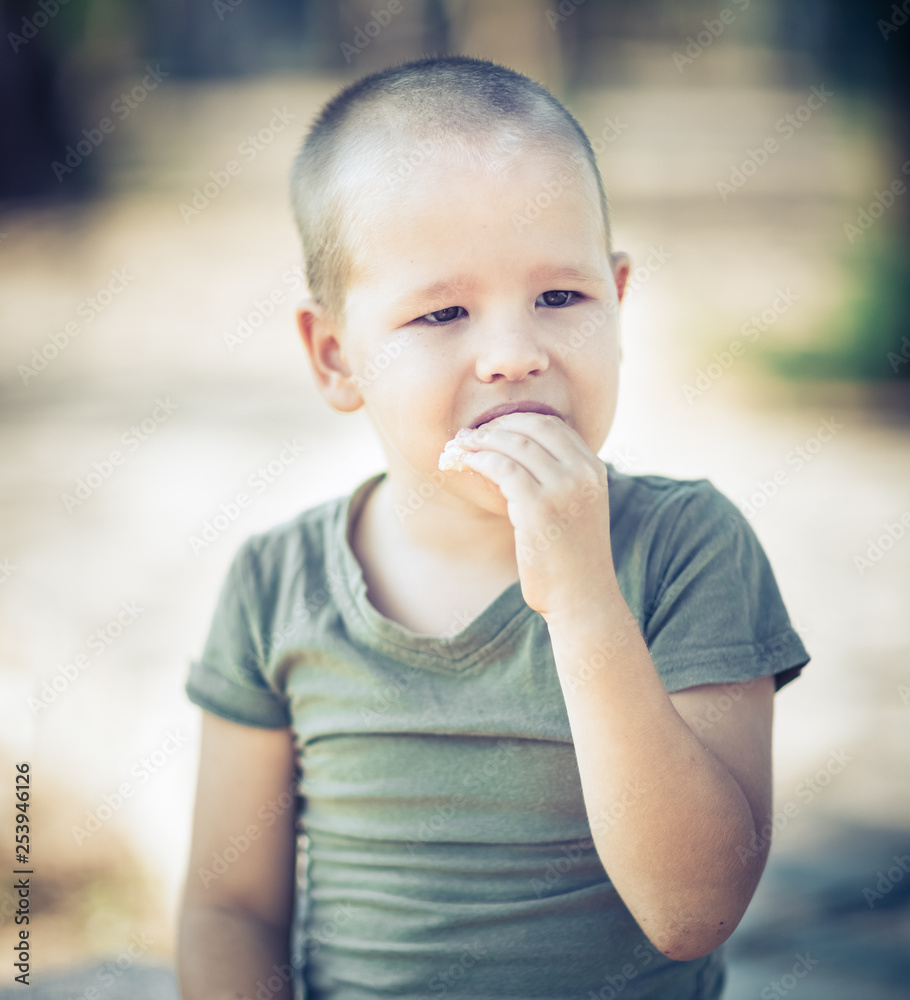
757, 158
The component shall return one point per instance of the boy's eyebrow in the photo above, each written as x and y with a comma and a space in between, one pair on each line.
440, 289
568, 272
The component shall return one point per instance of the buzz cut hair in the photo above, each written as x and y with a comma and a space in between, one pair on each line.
475, 109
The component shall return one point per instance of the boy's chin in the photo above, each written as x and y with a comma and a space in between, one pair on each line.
481, 492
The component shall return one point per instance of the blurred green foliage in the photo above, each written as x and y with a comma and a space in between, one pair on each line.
867, 339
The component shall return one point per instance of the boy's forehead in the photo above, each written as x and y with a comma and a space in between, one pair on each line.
395, 155
456, 231
403, 176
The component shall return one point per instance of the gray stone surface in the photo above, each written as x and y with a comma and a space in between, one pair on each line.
138, 982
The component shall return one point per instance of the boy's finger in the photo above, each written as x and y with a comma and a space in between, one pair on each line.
549, 431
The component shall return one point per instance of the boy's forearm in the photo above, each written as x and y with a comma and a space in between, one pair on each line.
666, 815
224, 954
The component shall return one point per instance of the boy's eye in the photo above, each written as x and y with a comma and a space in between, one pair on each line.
555, 299
441, 316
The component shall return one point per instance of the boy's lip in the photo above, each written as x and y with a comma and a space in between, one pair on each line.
519, 406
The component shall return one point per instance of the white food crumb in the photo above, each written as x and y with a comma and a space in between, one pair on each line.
451, 458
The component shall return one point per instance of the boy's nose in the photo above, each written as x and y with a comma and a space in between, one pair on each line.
510, 349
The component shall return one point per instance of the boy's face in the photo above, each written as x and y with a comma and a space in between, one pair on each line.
480, 288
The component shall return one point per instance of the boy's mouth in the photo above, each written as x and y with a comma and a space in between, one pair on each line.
519, 406
451, 458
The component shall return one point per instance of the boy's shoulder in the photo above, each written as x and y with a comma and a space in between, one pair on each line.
302, 544
651, 496
658, 522
310, 524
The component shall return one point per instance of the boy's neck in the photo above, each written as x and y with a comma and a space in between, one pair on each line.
432, 571
456, 533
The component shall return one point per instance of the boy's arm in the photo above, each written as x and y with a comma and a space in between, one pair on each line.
674, 815
235, 924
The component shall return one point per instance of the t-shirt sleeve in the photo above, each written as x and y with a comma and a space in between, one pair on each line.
228, 679
716, 614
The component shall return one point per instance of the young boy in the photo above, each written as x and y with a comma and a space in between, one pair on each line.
526, 701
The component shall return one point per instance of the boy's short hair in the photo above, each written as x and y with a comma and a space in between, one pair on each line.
471, 107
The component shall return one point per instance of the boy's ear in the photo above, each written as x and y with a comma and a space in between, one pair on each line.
622, 268
322, 339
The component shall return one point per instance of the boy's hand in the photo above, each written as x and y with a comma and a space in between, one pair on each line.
558, 503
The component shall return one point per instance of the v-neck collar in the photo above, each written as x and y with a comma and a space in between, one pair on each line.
474, 643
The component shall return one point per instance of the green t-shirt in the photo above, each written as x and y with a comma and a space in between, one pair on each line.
447, 848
